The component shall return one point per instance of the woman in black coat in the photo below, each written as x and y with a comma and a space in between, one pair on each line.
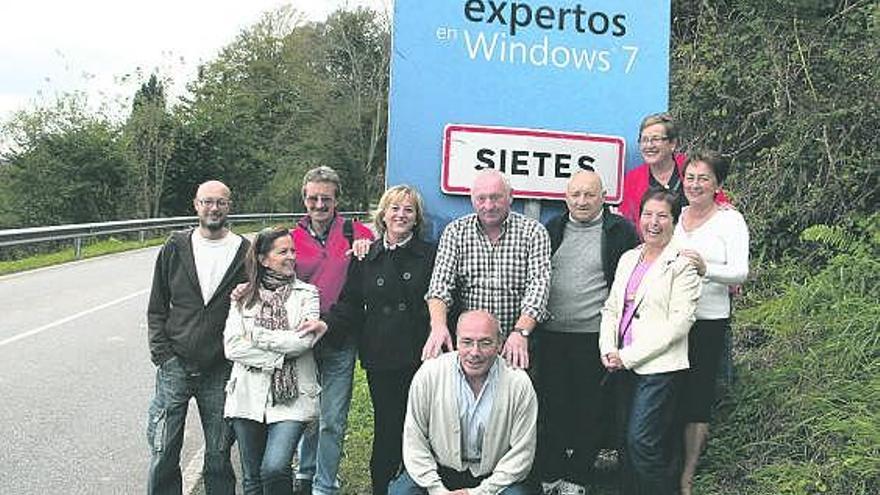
383, 304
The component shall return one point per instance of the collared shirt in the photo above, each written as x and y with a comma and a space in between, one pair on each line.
392, 246
320, 237
473, 415
508, 278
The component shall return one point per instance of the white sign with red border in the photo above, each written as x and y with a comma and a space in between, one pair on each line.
537, 162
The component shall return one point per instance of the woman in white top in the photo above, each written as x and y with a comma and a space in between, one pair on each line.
272, 393
716, 239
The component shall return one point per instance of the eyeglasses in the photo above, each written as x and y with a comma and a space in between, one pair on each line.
322, 199
653, 139
211, 202
482, 344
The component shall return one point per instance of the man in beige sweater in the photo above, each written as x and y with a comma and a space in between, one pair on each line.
470, 421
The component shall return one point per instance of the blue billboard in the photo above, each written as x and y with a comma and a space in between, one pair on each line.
586, 67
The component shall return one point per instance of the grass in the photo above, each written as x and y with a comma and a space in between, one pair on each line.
355, 466
803, 417
90, 250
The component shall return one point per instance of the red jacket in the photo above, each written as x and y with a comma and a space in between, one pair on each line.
325, 266
635, 184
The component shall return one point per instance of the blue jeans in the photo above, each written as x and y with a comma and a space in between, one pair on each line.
404, 485
175, 385
266, 453
321, 448
652, 434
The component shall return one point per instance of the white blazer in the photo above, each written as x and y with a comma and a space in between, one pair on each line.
665, 304
256, 353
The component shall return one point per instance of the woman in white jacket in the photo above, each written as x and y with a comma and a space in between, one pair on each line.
643, 340
272, 393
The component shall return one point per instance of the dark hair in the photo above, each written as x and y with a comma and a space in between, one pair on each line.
719, 165
660, 194
254, 270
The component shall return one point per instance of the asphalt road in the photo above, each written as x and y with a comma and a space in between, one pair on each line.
76, 379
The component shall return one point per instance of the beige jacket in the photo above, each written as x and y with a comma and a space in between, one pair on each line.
666, 301
256, 353
431, 431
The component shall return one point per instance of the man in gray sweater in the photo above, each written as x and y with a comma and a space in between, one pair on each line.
586, 241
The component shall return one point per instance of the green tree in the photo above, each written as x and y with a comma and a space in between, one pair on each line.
66, 165
149, 136
788, 89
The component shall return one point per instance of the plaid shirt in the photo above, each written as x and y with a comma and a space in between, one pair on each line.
508, 279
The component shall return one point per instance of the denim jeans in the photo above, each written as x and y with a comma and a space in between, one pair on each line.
652, 434
175, 385
266, 453
404, 485
321, 448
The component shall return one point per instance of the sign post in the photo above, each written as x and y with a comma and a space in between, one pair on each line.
537, 89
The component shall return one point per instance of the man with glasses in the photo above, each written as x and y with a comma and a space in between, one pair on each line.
470, 421
323, 241
194, 275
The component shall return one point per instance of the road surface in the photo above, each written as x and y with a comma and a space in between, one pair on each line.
76, 379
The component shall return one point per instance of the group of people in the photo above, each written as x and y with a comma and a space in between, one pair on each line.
562, 339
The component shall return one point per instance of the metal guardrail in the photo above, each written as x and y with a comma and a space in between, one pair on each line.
79, 231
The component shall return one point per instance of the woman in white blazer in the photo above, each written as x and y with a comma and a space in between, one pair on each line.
643, 341
272, 393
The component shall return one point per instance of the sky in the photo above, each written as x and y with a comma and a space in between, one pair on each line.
52, 47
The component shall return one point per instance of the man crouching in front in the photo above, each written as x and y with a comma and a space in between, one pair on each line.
470, 420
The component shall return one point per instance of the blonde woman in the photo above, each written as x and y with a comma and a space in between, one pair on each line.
383, 305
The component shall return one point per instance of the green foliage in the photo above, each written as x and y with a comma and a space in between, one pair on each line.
803, 417
66, 165
90, 249
149, 139
788, 89
287, 96
355, 467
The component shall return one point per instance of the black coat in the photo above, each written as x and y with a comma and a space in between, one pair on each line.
383, 305
618, 237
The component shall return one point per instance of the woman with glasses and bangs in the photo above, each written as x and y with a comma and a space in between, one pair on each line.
383, 304
272, 393
658, 139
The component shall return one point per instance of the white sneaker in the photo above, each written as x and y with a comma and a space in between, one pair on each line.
551, 488
569, 488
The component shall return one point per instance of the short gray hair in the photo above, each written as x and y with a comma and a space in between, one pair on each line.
322, 173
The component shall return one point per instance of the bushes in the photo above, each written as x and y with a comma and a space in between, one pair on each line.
803, 417
787, 89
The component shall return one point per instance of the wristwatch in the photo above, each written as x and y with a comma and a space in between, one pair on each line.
522, 331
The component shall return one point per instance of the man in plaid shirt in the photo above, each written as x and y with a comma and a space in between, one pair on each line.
495, 260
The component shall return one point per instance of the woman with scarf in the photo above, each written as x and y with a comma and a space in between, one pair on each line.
272, 393
643, 342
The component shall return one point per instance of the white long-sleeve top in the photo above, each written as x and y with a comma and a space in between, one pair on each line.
723, 242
